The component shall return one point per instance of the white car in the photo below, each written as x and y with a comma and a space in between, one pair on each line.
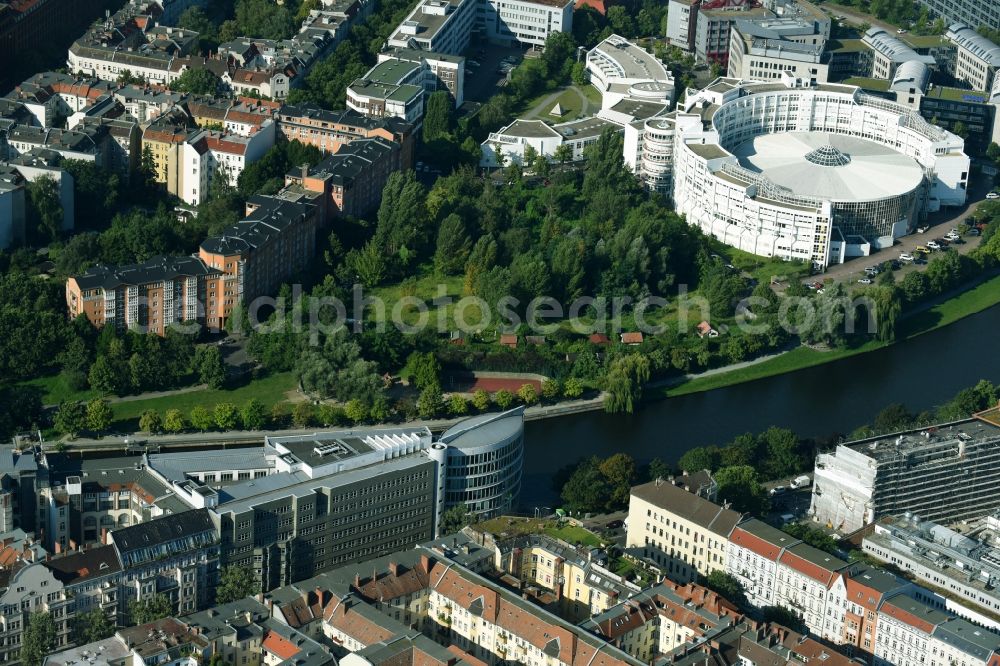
923, 229
993, 195
905, 256
952, 236
865, 280
933, 245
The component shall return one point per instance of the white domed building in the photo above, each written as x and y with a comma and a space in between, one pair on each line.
814, 173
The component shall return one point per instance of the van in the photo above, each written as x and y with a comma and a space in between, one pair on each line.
800, 481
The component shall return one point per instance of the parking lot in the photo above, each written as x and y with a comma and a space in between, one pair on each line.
484, 81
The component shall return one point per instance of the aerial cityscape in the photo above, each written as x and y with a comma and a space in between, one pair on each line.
499, 332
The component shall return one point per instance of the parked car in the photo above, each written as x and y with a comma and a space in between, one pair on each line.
922, 229
615, 524
921, 249
934, 245
993, 195
953, 237
865, 280
906, 256
974, 231
777, 490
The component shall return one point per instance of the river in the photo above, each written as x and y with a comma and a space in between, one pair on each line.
834, 398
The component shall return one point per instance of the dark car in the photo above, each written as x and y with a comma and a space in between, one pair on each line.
615, 524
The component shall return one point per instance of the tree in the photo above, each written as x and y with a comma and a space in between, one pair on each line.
105, 377
728, 586
303, 415
356, 411
155, 608
150, 421
457, 405
563, 153
173, 421
437, 116
700, 458
196, 80
624, 382
551, 388
92, 626
253, 414
455, 518
236, 582
425, 369
503, 398
38, 640
783, 457
70, 418
481, 400
201, 419
210, 366
894, 417
226, 416
620, 472
430, 403
960, 129
783, 616
658, 470
620, 21
527, 394
45, 213
573, 388
99, 415
740, 486
453, 246
587, 489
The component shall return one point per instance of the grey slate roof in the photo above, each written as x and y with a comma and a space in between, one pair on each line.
157, 269
162, 530
689, 506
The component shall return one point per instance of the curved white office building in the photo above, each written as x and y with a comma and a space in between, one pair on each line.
813, 173
485, 455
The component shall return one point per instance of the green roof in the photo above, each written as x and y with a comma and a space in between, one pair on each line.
957, 94
924, 41
868, 83
845, 45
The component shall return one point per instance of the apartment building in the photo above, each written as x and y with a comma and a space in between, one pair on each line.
350, 181
752, 559
682, 17
330, 130
12, 210
678, 530
662, 618
145, 103
164, 137
27, 587
441, 26
944, 473
209, 154
977, 59
276, 239
26, 23
151, 296
87, 143
123, 149
578, 582
390, 88
524, 22
242, 116
52, 96
44, 163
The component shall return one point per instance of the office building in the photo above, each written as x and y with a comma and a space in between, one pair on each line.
967, 568
441, 71
762, 50
524, 22
895, 60
622, 70
675, 528
803, 187
969, 12
977, 60
943, 474
441, 26
392, 88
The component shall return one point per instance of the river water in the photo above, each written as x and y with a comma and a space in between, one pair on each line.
830, 399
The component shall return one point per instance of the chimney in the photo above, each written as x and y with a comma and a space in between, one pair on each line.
104, 536
395, 569
319, 595
425, 562
357, 581
304, 170
58, 548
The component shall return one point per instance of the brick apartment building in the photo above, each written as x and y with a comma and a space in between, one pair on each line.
350, 181
251, 258
331, 130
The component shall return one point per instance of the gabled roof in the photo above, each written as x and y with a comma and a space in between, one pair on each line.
689, 506
162, 530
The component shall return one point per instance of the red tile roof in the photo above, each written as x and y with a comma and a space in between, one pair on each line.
279, 646
754, 543
632, 338
807, 568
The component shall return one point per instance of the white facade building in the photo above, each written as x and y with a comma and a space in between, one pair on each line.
524, 22
796, 171
207, 154
977, 59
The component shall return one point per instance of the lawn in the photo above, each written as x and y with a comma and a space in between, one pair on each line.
268, 390
510, 526
571, 107
425, 289
977, 299
55, 390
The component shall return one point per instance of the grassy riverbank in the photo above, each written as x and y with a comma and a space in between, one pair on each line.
976, 299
